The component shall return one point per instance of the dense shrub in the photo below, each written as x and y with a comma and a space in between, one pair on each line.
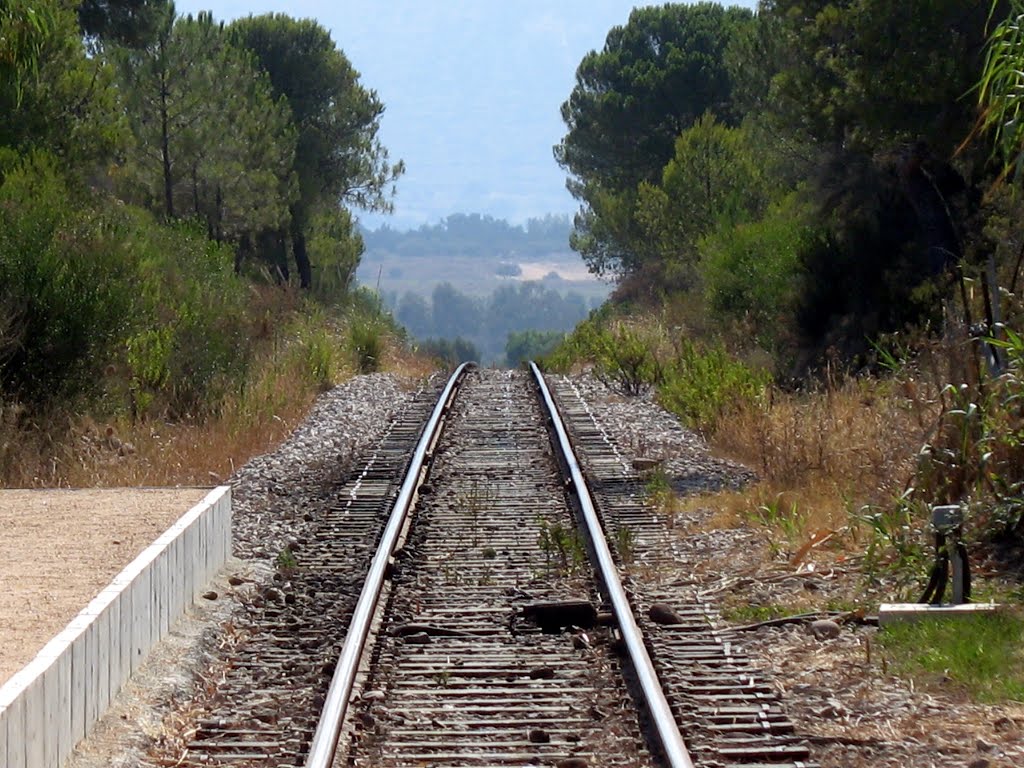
192, 344
698, 382
749, 274
450, 352
702, 383
98, 295
976, 456
69, 283
367, 344
530, 345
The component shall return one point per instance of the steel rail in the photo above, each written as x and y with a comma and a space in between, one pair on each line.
661, 714
324, 745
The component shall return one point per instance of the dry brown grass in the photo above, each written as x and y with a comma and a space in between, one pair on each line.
84, 450
826, 453
861, 434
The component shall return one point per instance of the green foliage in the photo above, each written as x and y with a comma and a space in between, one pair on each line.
895, 546
454, 313
181, 90
53, 97
877, 266
338, 154
1001, 87
367, 343
317, 351
976, 456
188, 290
335, 248
870, 73
697, 382
702, 383
652, 80
68, 287
625, 543
712, 181
749, 273
92, 286
286, 561
786, 528
980, 655
450, 352
562, 545
607, 234
127, 22
524, 346
527, 312
624, 356
24, 29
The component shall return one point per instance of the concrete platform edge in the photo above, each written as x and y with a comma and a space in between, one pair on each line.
49, 705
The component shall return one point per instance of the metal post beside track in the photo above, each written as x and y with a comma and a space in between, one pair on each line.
664, 722
325, 740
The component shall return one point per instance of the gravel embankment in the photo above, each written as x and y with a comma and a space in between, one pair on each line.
838, 692
838, 689
643, 429
276, 498
272, 493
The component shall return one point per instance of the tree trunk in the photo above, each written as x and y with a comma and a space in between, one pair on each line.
301, 257
273, 251
242, 252
218, 223
165, 151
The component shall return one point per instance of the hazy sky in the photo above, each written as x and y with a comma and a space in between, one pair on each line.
472, 90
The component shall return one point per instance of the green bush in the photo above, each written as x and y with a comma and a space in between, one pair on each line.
624, 356
701, 383
96, 290
191, 344
366, 344
976, 455
68, 287
317, 350
450, 352
750, 273
530, 345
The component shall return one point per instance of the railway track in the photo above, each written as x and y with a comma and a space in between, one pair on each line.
492, 640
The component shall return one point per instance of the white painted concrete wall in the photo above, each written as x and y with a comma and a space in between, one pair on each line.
51, 704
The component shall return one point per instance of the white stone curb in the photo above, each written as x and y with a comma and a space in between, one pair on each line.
51, 704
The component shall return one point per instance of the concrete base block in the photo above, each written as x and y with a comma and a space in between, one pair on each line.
892, 613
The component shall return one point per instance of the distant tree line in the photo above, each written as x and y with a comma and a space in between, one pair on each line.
487, 323
474, 234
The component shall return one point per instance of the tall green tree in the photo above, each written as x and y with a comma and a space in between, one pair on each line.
53, 97
339, 157
126, 22
871, 95
713, 180
181, 91
871, 73
654, 77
